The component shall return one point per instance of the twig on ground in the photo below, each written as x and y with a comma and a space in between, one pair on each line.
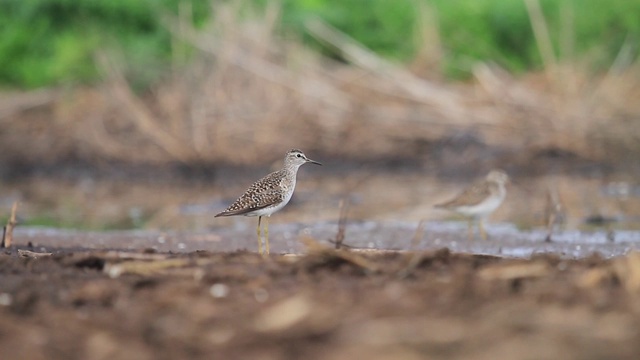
514, 271
141, 267
126, 255
346, 246
315, 248
33, 254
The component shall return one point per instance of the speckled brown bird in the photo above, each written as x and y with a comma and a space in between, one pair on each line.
480, 200
269, 194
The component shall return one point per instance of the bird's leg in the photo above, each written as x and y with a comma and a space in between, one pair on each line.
266, 234
483, 233
259, 237
470, 230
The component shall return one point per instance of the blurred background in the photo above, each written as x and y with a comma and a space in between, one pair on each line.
157, 114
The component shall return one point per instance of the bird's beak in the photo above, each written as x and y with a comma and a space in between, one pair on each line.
313, 162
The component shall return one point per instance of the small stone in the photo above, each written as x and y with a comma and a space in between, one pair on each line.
219, 290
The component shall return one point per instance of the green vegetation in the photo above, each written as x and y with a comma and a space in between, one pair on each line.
73, 221
46, 42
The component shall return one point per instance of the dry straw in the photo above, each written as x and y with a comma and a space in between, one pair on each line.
251, 88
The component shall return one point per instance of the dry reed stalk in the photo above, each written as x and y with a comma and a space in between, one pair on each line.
249, 87
554, 212
542, 115
142, 117
7, 234
267, 85
541, 34
342, 223
11, 104
420, 89
416, 256
430, 54
567, 31
33, 254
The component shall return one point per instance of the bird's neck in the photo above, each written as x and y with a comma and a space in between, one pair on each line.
292, 168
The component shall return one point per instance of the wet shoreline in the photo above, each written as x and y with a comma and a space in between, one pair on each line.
504, 239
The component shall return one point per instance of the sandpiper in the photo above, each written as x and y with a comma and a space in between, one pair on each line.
269, 194
480, 200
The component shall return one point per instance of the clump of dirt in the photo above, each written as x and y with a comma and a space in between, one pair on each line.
327, 304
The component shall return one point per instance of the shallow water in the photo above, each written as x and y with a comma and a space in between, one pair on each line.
598, 213
503, 240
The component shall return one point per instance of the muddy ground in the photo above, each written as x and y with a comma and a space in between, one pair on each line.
184, 285
187, 286
71, 303
167, 280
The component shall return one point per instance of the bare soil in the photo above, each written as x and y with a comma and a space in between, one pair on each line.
326, 304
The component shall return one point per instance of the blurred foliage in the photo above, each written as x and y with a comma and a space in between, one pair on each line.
48, 220
473, 30
387, 27
45, 42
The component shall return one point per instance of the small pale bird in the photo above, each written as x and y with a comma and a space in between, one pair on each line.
269, 194
480, 200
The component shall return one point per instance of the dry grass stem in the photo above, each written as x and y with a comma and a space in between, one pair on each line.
33, 254
554, 213
12, 104
315, 249
420, 89
141, 267
627, 269
7, 234
416, 256
515, 271
248, 85
541, 33
142, 117
112, 255
342, 222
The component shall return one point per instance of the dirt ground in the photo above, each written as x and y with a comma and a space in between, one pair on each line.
148, 294
326, 304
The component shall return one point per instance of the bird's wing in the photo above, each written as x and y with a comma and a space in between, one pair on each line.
473, 195
263, 193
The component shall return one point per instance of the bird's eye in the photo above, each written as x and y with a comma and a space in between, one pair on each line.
299, 155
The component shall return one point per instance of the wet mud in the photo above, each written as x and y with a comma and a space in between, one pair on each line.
72, 295
408, 284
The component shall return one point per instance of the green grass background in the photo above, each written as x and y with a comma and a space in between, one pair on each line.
54, 42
